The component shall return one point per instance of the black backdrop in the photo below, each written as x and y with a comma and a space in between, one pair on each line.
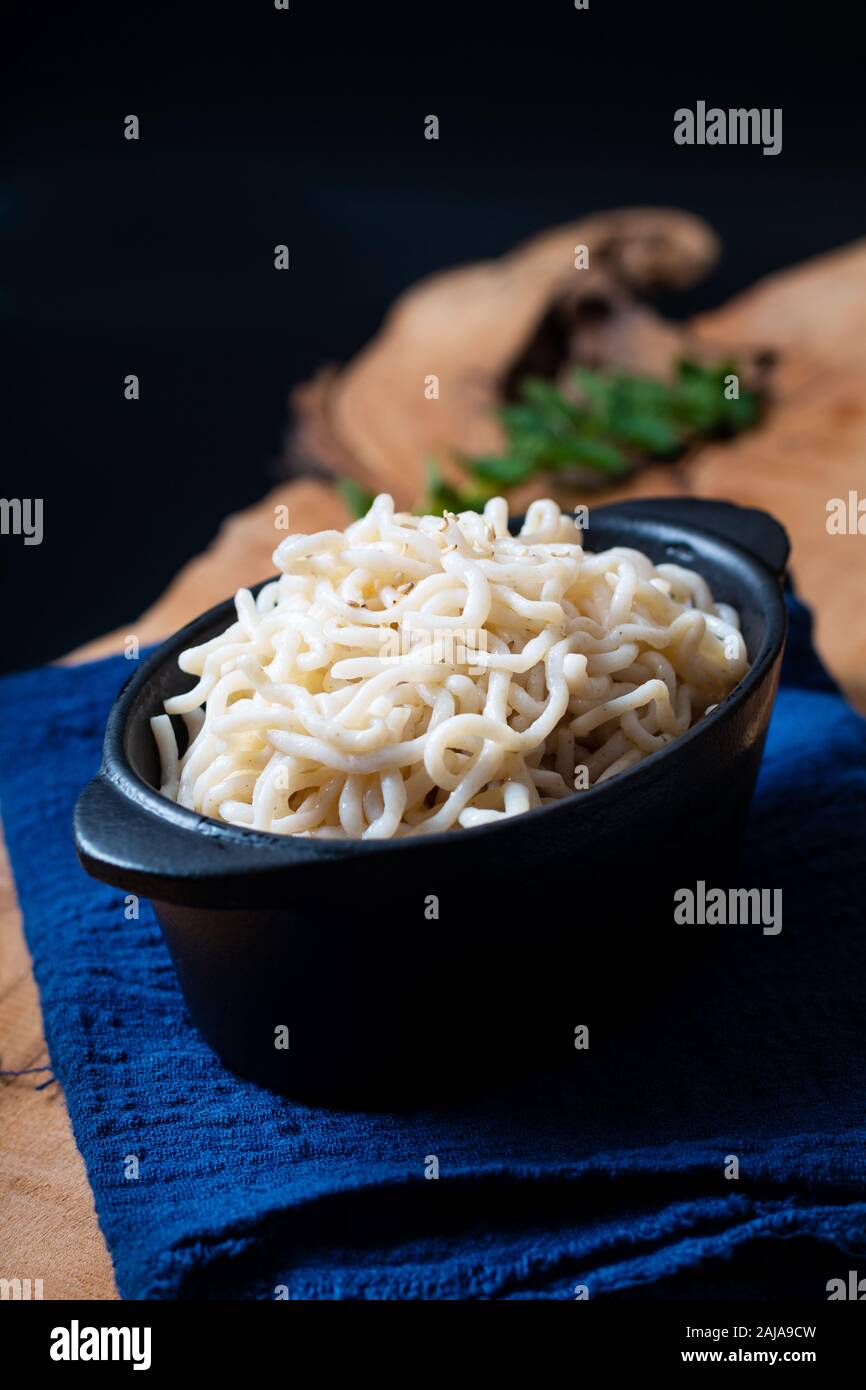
260, 127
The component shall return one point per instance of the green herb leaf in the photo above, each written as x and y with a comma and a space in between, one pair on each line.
357, 498
607, 422
508, 469
443, 497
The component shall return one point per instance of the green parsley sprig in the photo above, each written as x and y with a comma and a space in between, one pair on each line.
607, 422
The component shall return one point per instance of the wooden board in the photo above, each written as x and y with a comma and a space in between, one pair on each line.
49, 1229
812, 448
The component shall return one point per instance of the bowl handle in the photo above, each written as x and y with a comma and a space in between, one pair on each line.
115, 841
122, 842
752, 530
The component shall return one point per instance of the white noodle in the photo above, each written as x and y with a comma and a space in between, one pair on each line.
416, 674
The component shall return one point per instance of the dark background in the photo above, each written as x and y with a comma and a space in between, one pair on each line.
260, 127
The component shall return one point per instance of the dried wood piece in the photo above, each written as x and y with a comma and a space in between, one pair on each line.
478, 329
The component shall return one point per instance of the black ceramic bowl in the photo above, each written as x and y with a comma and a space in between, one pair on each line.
401, 968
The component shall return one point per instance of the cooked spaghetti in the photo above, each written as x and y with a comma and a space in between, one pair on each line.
411, 675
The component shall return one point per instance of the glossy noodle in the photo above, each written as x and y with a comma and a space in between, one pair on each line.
412, 675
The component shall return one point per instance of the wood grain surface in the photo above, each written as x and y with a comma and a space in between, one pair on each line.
811, 448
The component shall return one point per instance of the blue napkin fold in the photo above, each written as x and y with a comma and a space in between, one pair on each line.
608, 1174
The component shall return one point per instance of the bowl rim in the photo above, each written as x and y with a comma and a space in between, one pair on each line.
298, 849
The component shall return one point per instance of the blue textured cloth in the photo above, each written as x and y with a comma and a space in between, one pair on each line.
616, 1182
